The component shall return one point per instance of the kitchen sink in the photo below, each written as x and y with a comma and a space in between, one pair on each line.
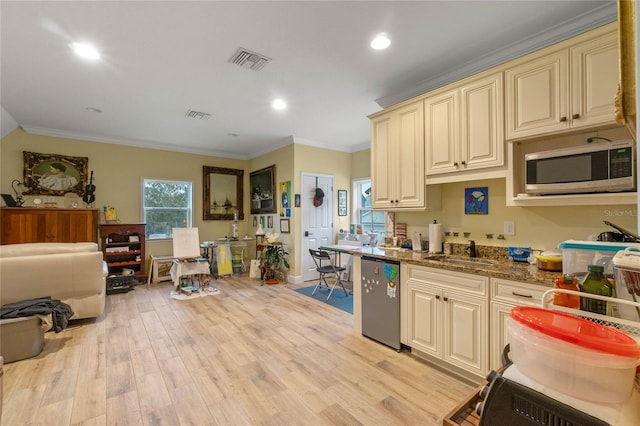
464, 261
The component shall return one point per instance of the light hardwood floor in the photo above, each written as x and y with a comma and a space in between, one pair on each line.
252, 355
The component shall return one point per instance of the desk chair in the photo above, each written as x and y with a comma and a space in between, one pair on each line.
325, 265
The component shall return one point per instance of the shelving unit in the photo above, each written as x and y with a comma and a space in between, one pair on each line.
123, 247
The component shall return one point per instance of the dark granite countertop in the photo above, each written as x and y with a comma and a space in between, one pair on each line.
503, 268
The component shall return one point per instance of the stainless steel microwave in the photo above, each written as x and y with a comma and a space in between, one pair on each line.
603, 167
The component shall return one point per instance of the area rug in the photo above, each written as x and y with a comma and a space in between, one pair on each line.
211, 291
338, 299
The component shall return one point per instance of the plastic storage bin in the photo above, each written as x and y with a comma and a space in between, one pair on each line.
580, 358
578, 255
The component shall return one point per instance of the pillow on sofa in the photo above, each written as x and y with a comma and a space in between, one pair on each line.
36, 249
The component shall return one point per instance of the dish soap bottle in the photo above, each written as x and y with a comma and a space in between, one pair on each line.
595, 283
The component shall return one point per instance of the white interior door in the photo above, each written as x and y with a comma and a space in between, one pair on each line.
317, 222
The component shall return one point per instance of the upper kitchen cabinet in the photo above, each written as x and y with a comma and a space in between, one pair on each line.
569, 86
397, 158
464, 130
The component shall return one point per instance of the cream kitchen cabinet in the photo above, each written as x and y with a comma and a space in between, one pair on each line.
447, 316
566, 87
505, 295
464, 127
397, 158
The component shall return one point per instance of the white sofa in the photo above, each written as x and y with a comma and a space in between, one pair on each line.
71, 272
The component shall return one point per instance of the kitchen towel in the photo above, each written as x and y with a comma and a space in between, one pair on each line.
435, 237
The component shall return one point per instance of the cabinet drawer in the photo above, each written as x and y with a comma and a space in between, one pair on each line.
469, 283
517, 292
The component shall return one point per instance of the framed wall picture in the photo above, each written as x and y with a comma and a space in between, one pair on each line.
285, 194
222, 193
263, 190
342, 202
269, 221
284, 226
54, 174
476, 200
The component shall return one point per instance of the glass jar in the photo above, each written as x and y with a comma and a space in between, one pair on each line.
595, 283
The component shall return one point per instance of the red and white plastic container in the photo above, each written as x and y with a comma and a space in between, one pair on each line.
580, 358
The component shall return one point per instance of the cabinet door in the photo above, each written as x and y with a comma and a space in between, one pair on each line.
26, 226
381, 164
481, 119
76, 226
408, 165
594, 81
466, 324
499, 336
537, 96
424, 328
441, 133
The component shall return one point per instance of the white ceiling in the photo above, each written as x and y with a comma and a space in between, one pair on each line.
162, 58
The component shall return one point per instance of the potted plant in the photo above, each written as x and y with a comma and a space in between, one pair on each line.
272, 259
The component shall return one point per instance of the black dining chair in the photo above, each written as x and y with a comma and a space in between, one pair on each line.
326, 266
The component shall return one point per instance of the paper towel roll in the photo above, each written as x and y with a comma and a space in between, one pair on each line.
435, 238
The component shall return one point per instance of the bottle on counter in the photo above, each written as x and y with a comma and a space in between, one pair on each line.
566, 282
595, 283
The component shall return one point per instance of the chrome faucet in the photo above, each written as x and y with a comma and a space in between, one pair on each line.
471, 248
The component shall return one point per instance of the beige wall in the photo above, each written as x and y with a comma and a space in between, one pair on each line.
313, 160
283, 160
118, 173
119, 170
361, 164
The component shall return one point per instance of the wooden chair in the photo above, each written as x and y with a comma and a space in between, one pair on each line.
326, 266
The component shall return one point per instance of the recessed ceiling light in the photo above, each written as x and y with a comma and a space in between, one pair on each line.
279, 104
92, 109
85, 50
381, 41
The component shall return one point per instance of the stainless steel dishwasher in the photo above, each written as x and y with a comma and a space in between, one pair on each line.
381, 300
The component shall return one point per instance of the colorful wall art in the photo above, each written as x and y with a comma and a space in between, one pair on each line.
476, 200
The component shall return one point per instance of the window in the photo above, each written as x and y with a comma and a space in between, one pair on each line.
167, 204
372, 221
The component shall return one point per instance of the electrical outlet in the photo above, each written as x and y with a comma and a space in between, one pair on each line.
509, 227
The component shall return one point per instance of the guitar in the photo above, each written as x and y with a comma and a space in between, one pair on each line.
89, 191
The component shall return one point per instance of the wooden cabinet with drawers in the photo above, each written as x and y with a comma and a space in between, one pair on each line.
38, 225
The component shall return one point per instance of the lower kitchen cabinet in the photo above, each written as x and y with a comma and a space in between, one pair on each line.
506, 295
447, 316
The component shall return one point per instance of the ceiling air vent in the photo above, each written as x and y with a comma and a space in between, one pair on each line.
197, 115
248, 59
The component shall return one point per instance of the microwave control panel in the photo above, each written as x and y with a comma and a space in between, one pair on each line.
620, 163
